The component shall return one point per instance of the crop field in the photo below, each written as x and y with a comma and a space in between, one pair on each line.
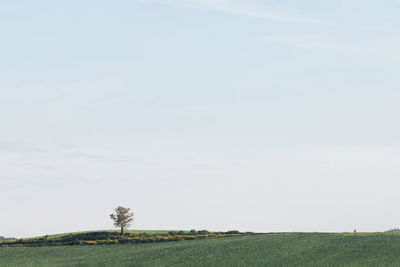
293, 249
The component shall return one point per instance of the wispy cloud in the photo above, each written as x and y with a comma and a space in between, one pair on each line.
93, 157
384, 48
226, 6
308, 41
18, 148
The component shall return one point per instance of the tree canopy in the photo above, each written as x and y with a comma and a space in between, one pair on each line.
122, 218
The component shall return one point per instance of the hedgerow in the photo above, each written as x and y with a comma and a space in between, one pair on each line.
113, 238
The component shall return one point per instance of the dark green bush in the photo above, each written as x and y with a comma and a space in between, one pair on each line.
203, 232
232, 232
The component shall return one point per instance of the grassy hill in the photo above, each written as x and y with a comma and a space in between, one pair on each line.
115, 238
294, 249
110, 231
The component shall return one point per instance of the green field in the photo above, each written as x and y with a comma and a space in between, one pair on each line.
295, 249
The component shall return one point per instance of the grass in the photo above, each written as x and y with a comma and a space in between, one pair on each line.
295, 249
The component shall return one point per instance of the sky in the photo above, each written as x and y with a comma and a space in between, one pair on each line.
267, 116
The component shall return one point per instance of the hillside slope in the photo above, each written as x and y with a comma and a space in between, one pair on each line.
296, 249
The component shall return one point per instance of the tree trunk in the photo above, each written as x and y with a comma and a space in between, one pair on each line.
122, 230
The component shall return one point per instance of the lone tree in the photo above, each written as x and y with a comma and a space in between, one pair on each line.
122, 218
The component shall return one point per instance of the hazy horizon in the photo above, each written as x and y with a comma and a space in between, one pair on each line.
267, 116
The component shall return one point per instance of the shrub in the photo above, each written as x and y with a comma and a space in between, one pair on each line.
393, 230
90, 243
232, 232
203, 232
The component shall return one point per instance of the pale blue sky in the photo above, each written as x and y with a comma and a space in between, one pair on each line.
205, 114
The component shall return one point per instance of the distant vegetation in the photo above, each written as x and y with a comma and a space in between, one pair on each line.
114, 238
393, 230
286, 249
2, 238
